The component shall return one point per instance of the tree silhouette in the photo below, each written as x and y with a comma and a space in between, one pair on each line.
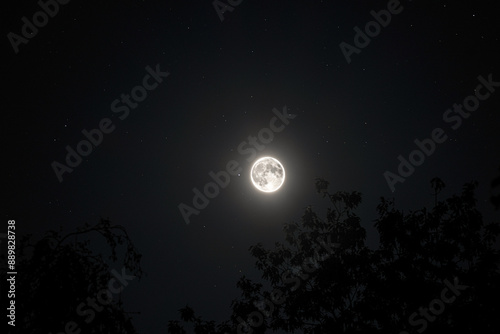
438, 185
434, 271
63, 286
199, 325
420, 250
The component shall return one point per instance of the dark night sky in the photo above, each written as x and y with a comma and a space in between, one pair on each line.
352, 122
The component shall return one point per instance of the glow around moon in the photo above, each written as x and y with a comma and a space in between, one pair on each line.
267, 174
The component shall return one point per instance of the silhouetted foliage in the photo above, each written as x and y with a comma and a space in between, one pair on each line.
60, 277
199, 326
434, 270
438, 185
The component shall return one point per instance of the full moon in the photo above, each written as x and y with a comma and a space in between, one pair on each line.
267, 174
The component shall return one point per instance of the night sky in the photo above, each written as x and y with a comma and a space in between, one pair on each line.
208, 87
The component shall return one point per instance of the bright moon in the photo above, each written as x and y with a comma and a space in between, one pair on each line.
267, 174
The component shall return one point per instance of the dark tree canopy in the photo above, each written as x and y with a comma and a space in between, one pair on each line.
65, 286
435, 270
